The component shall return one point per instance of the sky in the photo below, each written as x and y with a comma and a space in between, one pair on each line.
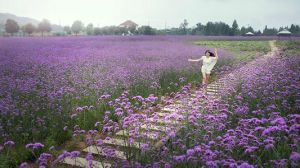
159, 13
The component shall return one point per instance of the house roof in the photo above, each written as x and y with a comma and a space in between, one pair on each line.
128, 23
284, 32
249, 33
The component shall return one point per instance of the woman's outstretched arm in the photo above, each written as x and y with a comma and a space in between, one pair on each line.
195, 60
216, 53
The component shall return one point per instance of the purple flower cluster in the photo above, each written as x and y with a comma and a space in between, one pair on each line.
34, 146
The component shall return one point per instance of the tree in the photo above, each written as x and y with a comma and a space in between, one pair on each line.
243, 30
97, 31
29, 28
235, 28
183, 26
209, 28
77, 27
68, 30
90, 29
249, 29
11, 26
258, 33
296, 30
199, 30
44, 26
146, 30
269, 32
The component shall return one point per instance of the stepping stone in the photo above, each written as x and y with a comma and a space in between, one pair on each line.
211, 93
177, 102
193, 95
213, 86
82, 162
212, 90
99, 151
161, 121
160, 114
154, 127
149, 135
121, 142
168, 109
213, 97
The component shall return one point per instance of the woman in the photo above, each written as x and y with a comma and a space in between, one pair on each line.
209, 61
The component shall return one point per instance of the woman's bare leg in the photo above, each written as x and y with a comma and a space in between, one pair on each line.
203, 78
207, 78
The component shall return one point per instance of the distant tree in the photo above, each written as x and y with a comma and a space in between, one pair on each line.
209, 29
269, 32
222, 28
146, 30
199, 29
97, 31
77, 27
90, 29
11, 26
249, 29
243, 30
258, 33
44, 26
235, 28
183, 26
29, 28
293, 29
67, 29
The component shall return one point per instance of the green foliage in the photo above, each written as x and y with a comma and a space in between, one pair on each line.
44, 26
29, 28
235, 28
183, 27
289, 47
68, 30
11, 26
146, 30
269, 32
77, 27
243, 50
90, 29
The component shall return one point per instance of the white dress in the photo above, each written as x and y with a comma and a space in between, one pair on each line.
208, 64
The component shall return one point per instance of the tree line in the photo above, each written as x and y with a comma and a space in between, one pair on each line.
11, 27
210, 29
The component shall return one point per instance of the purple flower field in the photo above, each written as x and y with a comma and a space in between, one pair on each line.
44, 80
52, 87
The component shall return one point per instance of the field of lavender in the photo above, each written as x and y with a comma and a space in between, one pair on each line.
50, 86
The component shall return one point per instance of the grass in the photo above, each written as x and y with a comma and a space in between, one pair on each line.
290, 47
243, 50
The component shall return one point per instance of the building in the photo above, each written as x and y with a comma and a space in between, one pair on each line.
249, 34
129, 24
284, 33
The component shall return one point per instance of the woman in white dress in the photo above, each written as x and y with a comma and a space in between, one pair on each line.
209, 61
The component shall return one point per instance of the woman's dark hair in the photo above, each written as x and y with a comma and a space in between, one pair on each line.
210, 53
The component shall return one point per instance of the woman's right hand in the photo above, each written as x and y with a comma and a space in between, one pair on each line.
190, 60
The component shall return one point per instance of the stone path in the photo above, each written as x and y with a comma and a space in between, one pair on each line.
156, 128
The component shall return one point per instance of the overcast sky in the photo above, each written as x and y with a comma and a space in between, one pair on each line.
158, 13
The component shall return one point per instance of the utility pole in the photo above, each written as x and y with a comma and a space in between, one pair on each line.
165, 27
